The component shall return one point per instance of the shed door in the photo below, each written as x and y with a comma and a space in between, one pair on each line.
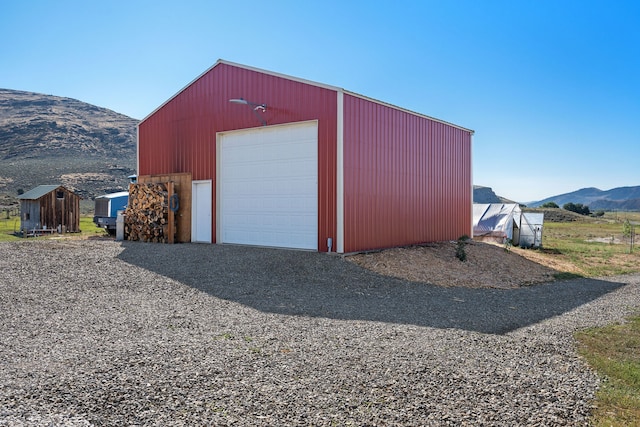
201, 211
268, 186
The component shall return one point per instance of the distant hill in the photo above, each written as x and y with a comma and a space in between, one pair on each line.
621, 198
487, 195
559, 215
47, 139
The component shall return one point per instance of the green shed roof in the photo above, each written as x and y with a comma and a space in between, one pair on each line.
39, 191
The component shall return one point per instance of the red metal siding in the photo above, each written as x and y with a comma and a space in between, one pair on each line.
407, 179
181, 135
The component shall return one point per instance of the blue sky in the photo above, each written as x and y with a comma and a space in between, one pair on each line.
551, 88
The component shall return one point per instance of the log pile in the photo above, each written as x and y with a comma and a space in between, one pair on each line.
146, 218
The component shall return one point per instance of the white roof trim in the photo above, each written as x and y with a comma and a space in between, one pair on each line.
284, 76
413, 113
309, 82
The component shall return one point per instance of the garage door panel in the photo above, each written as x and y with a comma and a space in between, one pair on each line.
271, 167
270, 209
295, 185
268, 186
270, 230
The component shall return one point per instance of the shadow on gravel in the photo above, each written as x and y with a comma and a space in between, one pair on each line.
320, 285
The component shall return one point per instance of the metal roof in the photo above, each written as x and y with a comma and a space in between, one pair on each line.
113, 195
38, 192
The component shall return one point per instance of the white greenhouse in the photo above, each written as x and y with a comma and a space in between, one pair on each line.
501, 223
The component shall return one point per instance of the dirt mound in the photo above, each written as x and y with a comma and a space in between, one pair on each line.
486, 266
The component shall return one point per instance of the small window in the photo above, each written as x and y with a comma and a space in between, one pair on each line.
27, 216
59, 194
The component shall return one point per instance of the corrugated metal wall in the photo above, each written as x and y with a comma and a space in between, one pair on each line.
407, 179
181, 135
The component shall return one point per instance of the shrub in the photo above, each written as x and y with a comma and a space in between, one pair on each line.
553, 205
577, 208
507, 244
461, 253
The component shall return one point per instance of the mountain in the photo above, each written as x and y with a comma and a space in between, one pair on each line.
621, 198
47, 139
487, 195
484, 195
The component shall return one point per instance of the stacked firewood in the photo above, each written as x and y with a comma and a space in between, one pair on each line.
146, 216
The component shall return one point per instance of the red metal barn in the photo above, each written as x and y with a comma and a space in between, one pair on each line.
315, 166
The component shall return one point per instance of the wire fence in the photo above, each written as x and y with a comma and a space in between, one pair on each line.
8, 213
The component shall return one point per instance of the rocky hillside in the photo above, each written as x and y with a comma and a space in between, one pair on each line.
484, 195
487, 195
48, 139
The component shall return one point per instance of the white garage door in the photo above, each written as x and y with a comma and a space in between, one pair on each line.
268, 186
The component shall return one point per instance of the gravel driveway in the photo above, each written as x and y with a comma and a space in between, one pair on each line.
127, 334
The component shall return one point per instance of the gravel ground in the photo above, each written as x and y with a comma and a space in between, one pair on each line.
105, 333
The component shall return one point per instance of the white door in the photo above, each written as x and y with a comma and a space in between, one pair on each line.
201, 211
268, 186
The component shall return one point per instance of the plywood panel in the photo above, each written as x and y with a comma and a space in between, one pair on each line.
182, 187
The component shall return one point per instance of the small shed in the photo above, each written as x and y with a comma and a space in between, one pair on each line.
49, 208
531, 225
